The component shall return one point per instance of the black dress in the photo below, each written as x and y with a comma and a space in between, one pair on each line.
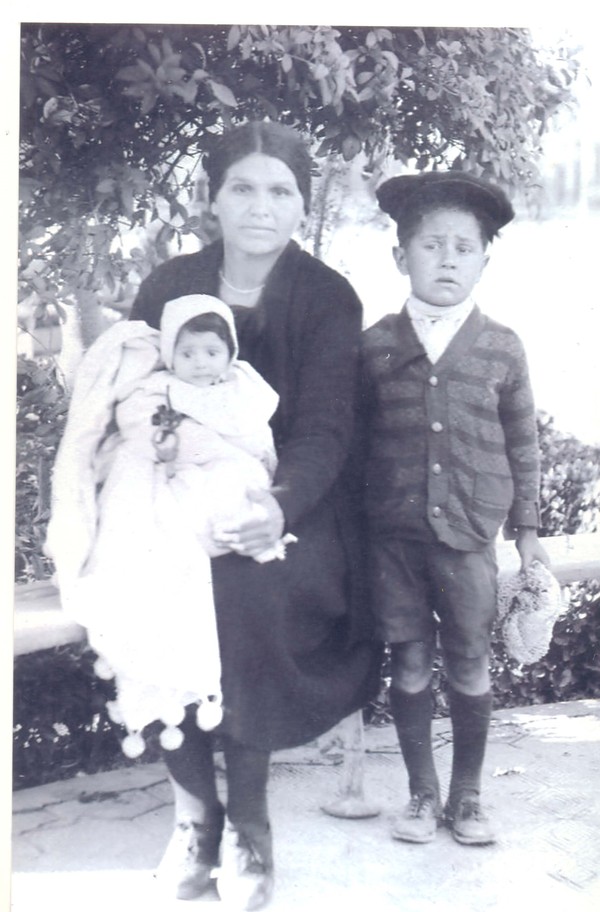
295, 636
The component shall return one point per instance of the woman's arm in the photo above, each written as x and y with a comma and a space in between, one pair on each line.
320, 420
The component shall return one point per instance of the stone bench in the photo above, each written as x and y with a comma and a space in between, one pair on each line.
41, 624
39, 621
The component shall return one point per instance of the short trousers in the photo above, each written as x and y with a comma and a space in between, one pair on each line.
421, 588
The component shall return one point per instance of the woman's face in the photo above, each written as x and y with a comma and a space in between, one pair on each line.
258, 205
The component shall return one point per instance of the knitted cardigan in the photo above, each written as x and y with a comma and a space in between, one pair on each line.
452, 447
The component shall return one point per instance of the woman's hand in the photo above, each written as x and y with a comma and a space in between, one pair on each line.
256, 531
530, 548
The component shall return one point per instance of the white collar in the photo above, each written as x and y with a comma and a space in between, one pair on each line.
421, 310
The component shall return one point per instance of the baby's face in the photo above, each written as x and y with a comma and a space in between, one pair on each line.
444, 258
200, 358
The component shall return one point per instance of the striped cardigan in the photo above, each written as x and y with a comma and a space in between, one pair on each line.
451, 448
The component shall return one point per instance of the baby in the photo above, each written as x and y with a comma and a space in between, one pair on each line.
210, 411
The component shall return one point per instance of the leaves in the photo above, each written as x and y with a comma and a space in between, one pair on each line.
351, 146
114, 116
60, 727
570, 488
223, 93
41, 414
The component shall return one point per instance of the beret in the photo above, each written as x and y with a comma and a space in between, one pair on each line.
398, 195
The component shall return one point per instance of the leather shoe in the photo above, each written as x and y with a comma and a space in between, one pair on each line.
467, 822
419, 820
190, 857
245, 878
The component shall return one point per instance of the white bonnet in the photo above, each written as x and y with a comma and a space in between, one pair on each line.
180, 310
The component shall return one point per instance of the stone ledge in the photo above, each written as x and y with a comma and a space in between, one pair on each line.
40, 623
573, 557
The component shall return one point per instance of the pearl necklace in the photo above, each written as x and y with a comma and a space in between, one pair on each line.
240, 290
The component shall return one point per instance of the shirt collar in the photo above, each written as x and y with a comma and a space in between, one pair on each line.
420, 310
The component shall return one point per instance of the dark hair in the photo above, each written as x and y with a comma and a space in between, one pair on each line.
411, 217
210, 322
409, 223
276, 140
407, 198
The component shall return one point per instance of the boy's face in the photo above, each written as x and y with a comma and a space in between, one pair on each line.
444, 258
200, 358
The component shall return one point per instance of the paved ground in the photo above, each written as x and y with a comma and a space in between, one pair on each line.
92, 843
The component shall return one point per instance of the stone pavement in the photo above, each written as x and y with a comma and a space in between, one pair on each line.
92, 843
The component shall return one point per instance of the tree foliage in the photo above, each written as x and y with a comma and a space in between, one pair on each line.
42, 407
114, 119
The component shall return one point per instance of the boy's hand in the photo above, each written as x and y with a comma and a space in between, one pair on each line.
530, 548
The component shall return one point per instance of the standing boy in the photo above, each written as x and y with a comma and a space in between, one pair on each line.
452, 451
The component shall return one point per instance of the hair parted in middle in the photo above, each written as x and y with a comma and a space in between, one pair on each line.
274, 139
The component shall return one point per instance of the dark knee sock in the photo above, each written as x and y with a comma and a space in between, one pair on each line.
470, 716
412, 713
247, 773
192, 766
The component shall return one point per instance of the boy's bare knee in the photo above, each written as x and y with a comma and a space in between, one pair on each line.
411, 666
469, 676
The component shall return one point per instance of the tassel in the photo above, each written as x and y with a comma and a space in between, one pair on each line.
103, 669
172, 715
114, 712
171, 737
209, 714
133, 745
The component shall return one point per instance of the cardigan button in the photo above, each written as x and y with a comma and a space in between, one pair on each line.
437, 426
436, 468
433, 380
437, 511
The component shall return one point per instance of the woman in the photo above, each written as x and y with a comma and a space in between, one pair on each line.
296, 650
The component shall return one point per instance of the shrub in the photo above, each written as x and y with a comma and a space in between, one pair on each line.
570, 669
570, 488
60, 724
570, 504
42, 406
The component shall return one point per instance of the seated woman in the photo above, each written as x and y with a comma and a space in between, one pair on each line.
295, 637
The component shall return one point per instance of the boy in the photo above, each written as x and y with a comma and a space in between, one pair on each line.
452, 450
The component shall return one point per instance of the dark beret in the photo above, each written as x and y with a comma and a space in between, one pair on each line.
399, 195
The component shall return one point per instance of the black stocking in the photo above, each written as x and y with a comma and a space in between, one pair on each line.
247, 777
